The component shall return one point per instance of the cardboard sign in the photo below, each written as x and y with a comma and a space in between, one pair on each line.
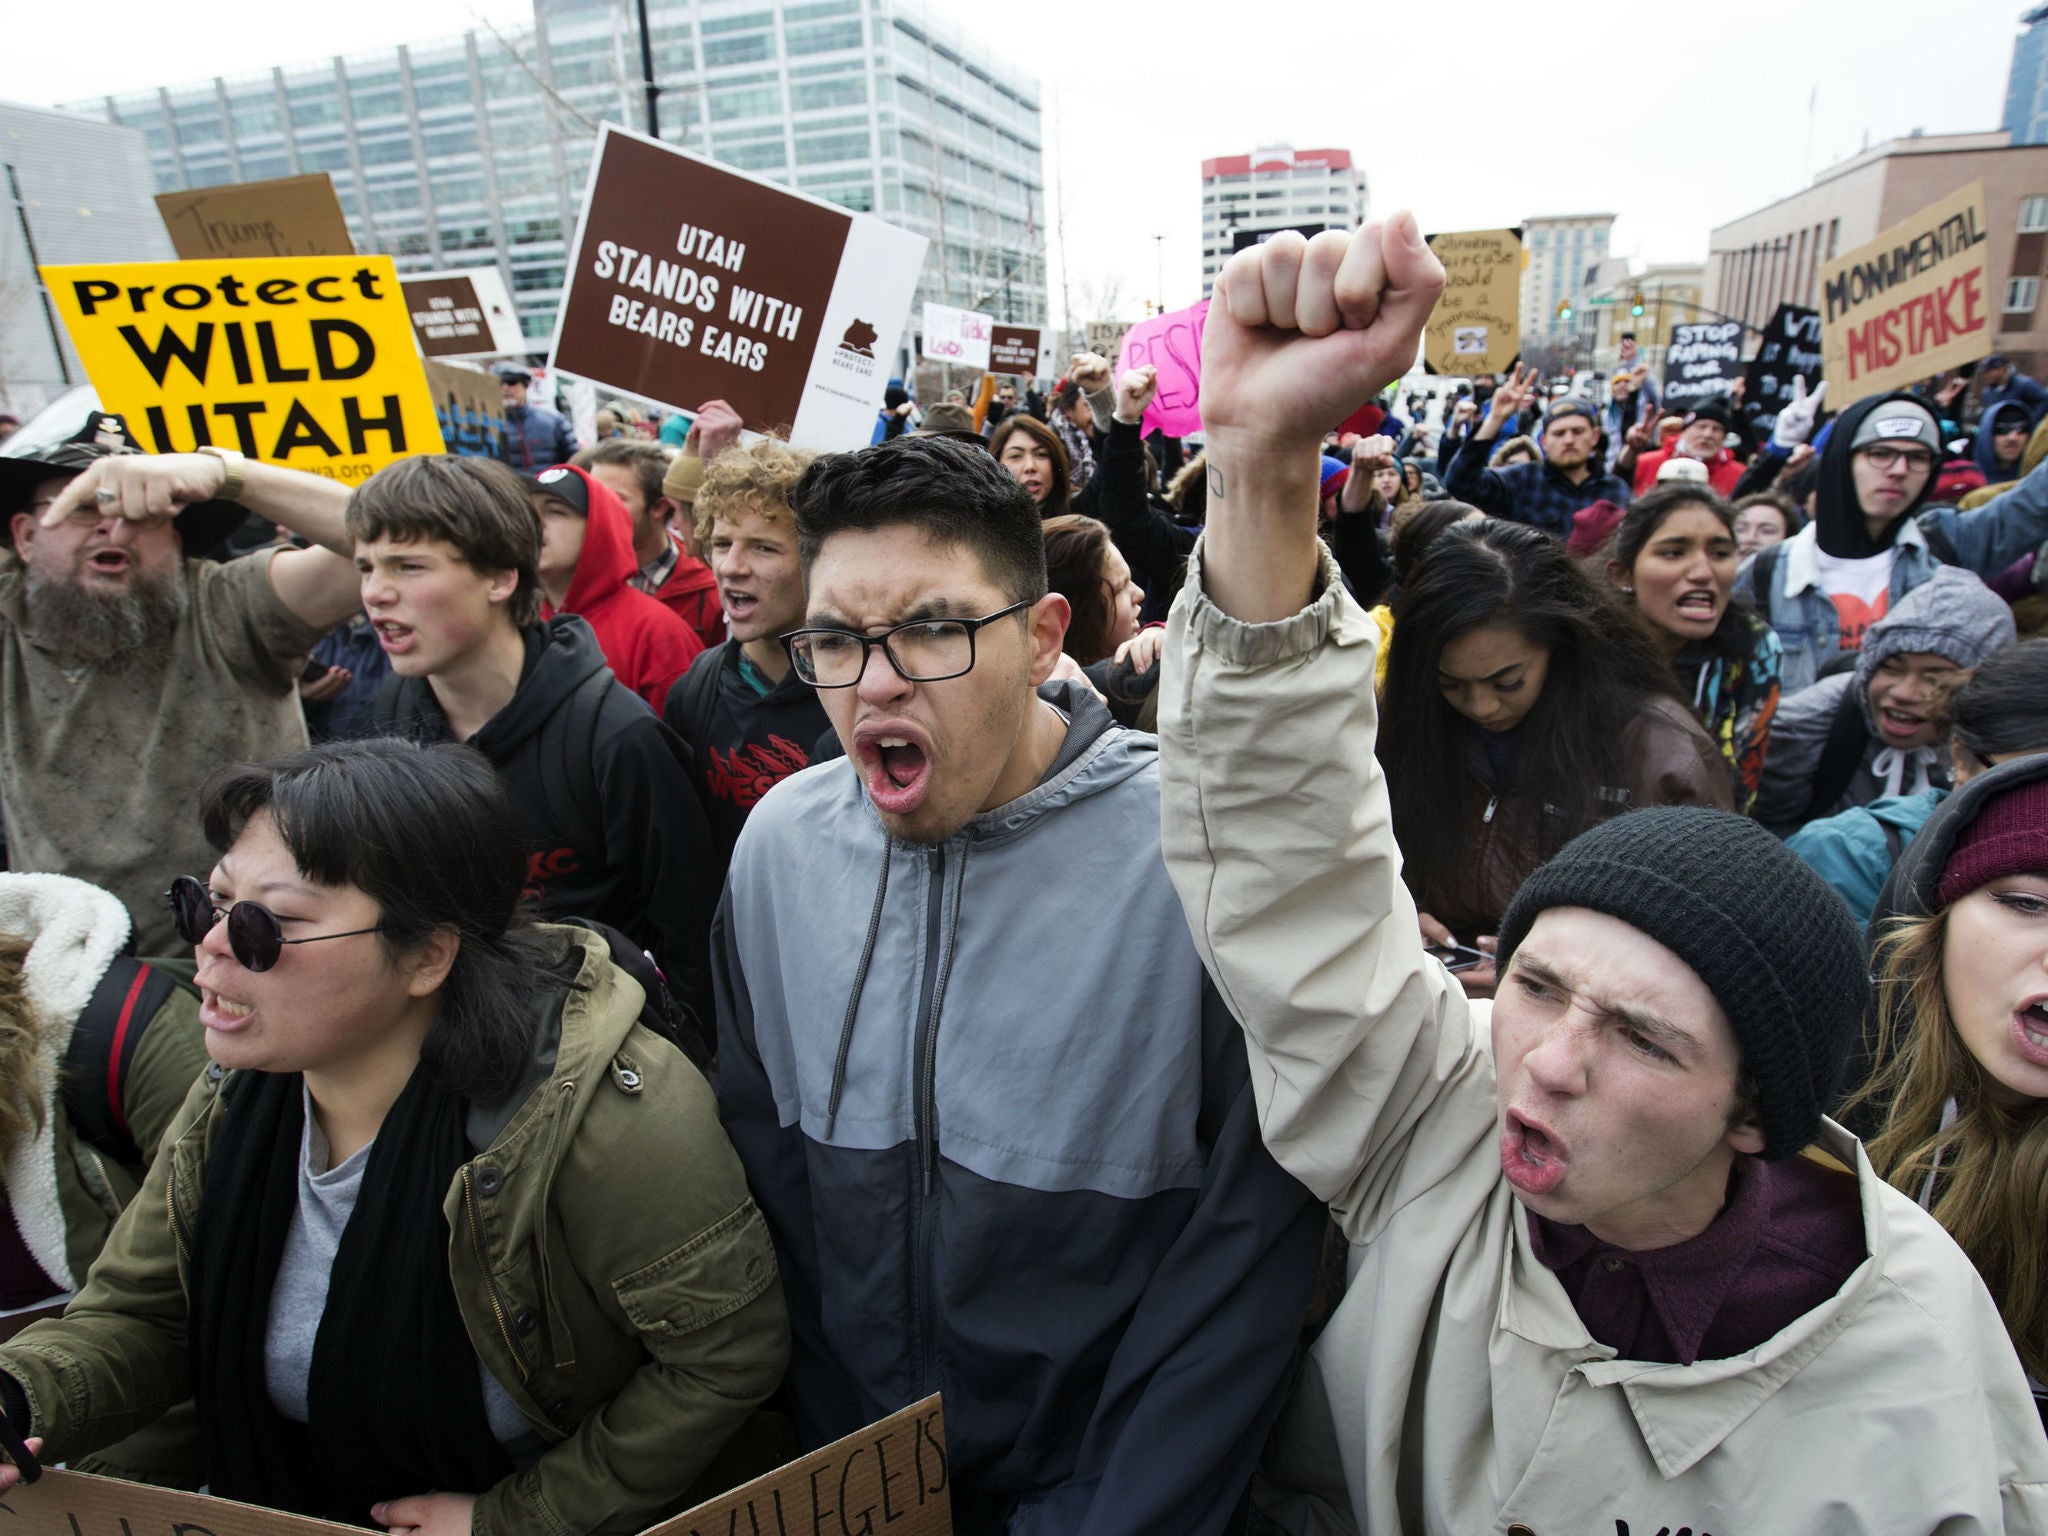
1476, 326
1017, 349
1913, 302
960, 336
690, 281
1172, 343
1105, 339
1702, 360
292, 216
302, 361
892, 1476
1790, 349
463, 314
469, 404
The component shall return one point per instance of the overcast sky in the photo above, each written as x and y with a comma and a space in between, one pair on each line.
1677, 118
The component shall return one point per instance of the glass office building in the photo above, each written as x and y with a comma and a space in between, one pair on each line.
473, 151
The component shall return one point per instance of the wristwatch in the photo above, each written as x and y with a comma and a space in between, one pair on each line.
235, 471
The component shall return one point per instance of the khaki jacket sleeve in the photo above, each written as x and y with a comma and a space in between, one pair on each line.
1371, 1076
117, 1359
659, 1222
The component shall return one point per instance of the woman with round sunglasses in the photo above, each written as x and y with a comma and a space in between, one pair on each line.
444, 1238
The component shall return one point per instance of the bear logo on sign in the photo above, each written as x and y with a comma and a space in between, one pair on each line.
860, 337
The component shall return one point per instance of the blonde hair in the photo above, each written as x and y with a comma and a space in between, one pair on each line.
21, 1100
1989, 1165
755, 478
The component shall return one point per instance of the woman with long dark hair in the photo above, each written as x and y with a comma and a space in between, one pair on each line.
1675, 558
445, 1237
1083, 566
1523, 704
1036, 459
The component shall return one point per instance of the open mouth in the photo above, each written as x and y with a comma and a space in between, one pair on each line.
1699, 605
1530, 1158
2030, 1032
109, 562
896, 769
738, 604
1899, 724
222, 1014
396, 639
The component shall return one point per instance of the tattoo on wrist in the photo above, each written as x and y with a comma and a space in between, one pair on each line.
1215, 482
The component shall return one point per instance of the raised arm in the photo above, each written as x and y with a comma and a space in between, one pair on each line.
1277, 830
318, 584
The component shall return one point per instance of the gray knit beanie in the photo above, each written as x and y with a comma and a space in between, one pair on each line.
1772, 941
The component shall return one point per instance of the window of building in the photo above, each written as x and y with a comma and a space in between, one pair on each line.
822, 148
2020, 294
459, 140
264, 167
2033, 215
380, 100
254, 122
391, 151
313, 111
827, 38
846, 91
755, 155
750, 49
821, 10
745, 96
432, 91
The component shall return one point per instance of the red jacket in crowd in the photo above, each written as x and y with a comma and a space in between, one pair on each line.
691, 594
647, 645
1723, 470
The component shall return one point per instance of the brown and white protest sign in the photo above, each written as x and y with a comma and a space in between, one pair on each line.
1019, 350
1913, 302
690, 281
463, 314
892, 1476
1477, 325
291, 216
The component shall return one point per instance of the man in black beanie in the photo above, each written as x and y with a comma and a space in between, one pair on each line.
1611, 1268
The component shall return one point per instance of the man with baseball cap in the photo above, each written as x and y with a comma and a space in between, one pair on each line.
1611, 1269
1547, 495
1703, 439
535, 437
1871, 542
130, 669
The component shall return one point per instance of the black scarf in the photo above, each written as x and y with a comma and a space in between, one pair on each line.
1838, 523
394, 1396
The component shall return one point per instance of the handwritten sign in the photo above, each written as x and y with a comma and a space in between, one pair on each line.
1914, 301
690, 281
1105, 338
1703, 360
1790, 349
1477, 325
892, 1476
303, 361
1172, 343
960, 336
463, 314
291, 216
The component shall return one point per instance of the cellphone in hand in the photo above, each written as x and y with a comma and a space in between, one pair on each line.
1458, 957
17, 1451
315, 669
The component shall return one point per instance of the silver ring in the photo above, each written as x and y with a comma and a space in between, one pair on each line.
106, 494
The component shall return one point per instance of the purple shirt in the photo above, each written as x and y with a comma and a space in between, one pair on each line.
1788, 1237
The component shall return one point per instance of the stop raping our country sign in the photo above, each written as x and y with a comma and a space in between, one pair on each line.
303, 361
690, 281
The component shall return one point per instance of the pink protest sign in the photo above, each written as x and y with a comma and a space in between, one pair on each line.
1172, 343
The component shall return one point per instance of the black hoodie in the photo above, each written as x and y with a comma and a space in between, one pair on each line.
1839, 526
614, 831
741, 743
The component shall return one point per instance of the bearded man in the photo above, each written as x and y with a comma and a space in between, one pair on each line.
130, 669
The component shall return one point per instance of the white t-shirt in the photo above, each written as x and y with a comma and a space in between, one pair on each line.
1860, 588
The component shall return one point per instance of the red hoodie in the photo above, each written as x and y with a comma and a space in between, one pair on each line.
691, 594
1723, 469
647, 646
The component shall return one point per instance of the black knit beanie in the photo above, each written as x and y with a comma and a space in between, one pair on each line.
1772, 941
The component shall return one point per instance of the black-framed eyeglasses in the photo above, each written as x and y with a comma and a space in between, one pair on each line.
921, 651
1884, 456
254, 936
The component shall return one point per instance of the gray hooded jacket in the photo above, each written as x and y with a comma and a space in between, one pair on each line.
1951, 614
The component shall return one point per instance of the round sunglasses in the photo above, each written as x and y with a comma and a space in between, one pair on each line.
253, 933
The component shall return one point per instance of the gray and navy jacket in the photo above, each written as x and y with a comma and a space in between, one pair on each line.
1002, 1129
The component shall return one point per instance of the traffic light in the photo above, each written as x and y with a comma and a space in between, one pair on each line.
1635, 303
1564, 309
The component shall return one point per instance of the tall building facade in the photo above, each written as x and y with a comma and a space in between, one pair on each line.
473, 151
1567, 254
2026, 84
1273, 188
84, 193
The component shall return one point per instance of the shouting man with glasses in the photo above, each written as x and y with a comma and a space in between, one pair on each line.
1000, 1123
1870, 542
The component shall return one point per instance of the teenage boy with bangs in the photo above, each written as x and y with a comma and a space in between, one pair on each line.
448, 550
998, 1120
1611, 1269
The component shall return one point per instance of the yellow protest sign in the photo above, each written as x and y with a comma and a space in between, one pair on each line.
304, 361
1912, 302
1477, 325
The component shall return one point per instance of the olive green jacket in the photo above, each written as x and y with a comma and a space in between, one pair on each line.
614, 1275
